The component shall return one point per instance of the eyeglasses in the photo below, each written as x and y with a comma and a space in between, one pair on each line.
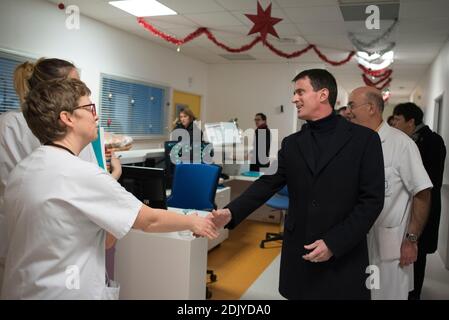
91, 107
351, 107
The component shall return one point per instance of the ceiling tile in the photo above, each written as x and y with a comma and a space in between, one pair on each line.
251, 5
431, 9
320, 28
315, 14
215, 19
192, 6
305, 3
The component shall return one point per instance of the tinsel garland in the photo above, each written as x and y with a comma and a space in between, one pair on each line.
361, 44
198, 32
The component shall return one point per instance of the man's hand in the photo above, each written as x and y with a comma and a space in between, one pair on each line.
320, 252
409, 253
220, 217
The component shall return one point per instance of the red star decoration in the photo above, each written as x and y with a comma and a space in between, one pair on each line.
263, 22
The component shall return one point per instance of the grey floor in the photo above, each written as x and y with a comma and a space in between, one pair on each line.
436, 283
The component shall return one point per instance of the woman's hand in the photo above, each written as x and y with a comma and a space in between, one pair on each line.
203, 227
116, 167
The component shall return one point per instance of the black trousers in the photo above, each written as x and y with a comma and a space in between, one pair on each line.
419, 269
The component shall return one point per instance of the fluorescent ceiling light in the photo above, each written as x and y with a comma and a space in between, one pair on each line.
143, 8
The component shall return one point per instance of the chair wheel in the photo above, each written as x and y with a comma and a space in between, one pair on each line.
213, 277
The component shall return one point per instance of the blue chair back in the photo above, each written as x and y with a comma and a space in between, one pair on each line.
194, 186
279, 200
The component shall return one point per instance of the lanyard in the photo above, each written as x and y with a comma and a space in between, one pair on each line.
58, 146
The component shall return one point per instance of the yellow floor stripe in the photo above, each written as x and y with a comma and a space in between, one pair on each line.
239, 260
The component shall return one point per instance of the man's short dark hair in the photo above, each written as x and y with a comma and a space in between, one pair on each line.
263, 116
409, 110
390, 119
320, 79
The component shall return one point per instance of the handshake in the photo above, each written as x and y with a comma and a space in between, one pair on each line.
209, 225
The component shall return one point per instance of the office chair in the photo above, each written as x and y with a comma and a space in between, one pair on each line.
280, 202
194, 187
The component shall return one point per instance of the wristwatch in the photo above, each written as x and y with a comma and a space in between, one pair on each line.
411, 237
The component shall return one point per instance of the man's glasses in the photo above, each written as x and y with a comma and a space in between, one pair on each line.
91, 107
350, 106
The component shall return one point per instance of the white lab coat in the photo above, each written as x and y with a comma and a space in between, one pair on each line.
58, 208
16, 143
405, 176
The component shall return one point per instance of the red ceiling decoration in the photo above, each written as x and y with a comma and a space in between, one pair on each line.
263, 22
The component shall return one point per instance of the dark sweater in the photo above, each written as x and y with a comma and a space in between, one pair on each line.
322, 130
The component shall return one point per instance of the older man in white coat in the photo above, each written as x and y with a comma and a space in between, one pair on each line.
393, 240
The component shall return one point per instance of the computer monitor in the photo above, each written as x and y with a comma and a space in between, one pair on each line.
146, 184
176, 153
222, 133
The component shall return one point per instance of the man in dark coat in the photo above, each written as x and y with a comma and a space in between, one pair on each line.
334, 171
408, 118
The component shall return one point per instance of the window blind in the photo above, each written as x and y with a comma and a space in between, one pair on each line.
8, 97
132, 108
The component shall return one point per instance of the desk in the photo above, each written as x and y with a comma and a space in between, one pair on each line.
137, 156
264, 213
164, 266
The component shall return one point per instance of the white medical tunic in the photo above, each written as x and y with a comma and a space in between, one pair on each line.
405, 176
16, 143
58, 209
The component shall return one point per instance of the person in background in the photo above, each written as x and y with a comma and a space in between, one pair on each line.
408, 118
58, 231
186, 121
260, 156
16, 139
189, 135
390, 121
393, 240
335, 177
344, 112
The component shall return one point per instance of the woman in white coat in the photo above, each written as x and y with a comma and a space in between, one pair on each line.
16, 139
60, 207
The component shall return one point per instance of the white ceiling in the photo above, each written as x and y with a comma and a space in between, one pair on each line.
422, 30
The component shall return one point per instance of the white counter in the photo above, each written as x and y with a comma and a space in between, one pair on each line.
162, 266
134, 156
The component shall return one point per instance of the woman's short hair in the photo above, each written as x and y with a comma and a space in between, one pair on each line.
27, 75
46, 101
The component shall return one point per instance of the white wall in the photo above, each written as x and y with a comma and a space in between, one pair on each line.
241, 90
37, 28
434, 84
